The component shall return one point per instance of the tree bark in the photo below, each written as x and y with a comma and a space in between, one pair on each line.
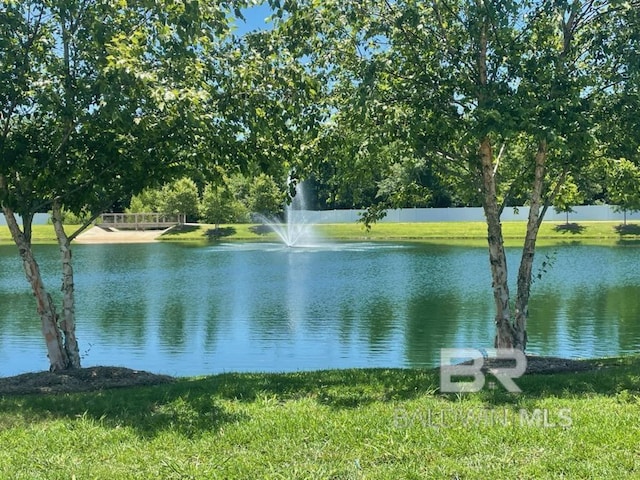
497, 255
529, 249
58, 359
68, 323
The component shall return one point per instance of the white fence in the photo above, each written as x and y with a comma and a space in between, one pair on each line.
587, 213
140, 221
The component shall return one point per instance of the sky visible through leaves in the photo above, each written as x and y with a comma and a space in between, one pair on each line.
255, 19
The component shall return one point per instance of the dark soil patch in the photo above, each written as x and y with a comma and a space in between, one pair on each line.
80, 380
546, 365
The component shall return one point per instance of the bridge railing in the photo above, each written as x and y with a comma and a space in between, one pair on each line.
140, 221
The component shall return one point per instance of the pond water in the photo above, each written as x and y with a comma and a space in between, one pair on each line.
185, 310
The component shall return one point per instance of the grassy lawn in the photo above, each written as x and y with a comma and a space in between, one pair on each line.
40, 234
347, 424
350, 424
436, 232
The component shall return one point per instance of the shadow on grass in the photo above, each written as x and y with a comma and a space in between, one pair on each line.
148, 410
193, 407
220, 232
261, 229
179, 229
573, 228
628, 229
335, 388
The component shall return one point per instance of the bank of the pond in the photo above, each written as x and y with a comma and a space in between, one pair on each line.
467, 233
371, 423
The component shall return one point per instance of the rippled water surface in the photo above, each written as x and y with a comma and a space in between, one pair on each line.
187, 310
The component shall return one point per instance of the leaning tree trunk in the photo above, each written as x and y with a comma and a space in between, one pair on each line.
68, 323
497, 256
536, 213
58, 358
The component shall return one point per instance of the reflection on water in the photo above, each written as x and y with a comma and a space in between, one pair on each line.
188, 310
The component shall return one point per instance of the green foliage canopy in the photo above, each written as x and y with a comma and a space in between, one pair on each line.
101, 99
180, 197
410, 74
624, 186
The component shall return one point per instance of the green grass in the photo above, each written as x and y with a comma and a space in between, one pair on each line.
41, 234
350, 424
435, 232
467, 233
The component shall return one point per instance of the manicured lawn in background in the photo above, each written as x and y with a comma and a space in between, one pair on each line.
40, 234
436, 232
349, 424
466, 232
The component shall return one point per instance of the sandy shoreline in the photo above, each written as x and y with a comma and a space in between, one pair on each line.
100, 235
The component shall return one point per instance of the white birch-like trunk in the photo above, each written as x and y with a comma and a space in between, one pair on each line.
497, 255
58, 359
529, 249
68, 322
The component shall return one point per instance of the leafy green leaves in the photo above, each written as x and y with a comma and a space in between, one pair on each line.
100, 99
440, 76
624, 185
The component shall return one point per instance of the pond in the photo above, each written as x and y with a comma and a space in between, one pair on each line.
185, 310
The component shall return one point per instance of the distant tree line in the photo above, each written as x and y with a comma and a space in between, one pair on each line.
235, 198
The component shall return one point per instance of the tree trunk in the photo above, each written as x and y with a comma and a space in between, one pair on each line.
68, 323
529, 249
58, 358
497, 256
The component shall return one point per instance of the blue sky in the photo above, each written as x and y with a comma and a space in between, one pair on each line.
254, 19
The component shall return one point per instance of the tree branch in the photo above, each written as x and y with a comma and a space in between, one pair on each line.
549, 200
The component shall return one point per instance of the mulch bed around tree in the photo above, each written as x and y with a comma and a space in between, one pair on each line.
79, 380
539, 365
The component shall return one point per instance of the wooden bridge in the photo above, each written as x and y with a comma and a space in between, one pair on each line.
139, 221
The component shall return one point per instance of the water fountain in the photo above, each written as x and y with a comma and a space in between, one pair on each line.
296, 229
